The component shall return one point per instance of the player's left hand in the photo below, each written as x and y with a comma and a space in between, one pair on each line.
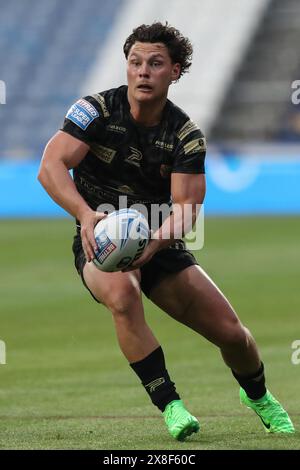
152, 247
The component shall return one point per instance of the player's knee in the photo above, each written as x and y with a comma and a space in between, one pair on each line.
122, 302
235, 336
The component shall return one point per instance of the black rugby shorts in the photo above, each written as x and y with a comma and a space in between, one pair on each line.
170, 260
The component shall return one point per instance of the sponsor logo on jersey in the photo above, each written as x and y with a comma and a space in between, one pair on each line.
105, 247
194, 146
104, 154
88, 107
99, 98
164, 145
115, 128
135, 157
187, 129
82, 113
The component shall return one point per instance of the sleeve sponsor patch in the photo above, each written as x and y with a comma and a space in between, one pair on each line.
82, 113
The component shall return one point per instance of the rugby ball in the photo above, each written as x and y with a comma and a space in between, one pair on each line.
121, 239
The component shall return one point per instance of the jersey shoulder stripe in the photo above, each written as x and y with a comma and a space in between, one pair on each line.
189, 127
196, 145
101, 100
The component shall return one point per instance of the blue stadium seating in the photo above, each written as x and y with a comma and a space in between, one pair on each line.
46, 49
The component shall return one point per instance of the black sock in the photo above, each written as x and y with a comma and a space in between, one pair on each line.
254, 384
155, 378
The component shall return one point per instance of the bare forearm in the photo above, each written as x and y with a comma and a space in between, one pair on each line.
177, 225
59, 184
188, 191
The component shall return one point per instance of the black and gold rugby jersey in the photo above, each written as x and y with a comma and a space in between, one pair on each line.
129, 159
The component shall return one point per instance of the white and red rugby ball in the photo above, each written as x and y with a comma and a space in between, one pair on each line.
121, 238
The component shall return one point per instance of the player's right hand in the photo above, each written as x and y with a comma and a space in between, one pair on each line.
88, 220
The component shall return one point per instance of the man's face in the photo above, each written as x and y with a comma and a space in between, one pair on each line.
150, 71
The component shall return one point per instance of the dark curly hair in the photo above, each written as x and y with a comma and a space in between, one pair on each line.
179, 47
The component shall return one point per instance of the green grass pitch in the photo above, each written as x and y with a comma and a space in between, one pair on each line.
66, 385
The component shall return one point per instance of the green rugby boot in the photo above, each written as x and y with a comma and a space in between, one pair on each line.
179, 421
270, 411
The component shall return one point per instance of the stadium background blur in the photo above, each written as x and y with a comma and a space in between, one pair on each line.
63, 383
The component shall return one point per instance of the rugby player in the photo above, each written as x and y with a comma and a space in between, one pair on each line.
132, 141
